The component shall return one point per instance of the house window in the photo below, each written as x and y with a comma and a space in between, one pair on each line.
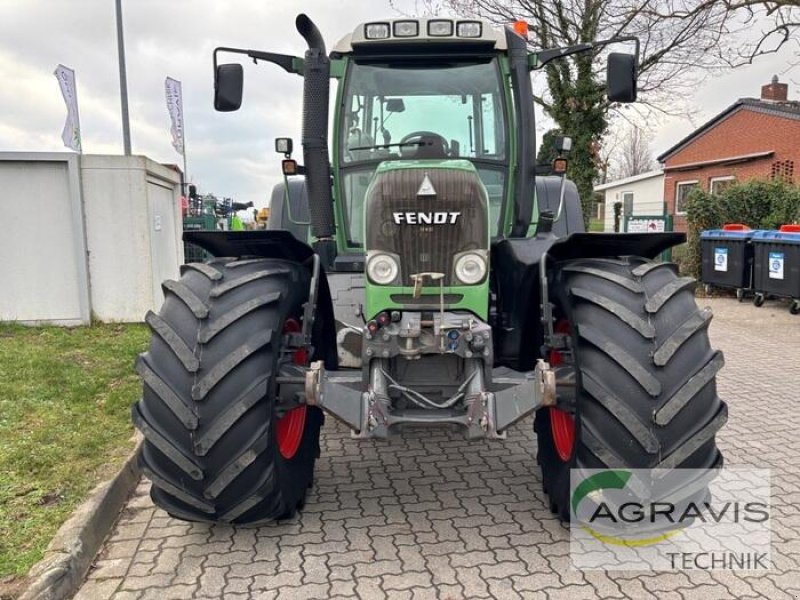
783, 170
627, 204
720, 184
682, 191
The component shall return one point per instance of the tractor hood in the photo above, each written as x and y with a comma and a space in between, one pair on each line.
422, 217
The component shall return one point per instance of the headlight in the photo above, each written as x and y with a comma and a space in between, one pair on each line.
470, 268
440, 28
469, 29
382, 269
406, 29
376, 31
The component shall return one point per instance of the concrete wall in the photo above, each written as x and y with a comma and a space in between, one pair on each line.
648, 196
133, 231
86, 236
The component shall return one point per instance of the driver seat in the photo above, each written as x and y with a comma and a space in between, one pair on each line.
430, 147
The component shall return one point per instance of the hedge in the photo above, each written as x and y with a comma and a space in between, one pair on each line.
757, 204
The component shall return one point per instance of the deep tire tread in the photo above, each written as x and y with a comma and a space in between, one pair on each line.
203, 268
656, 302
167, 395
667, 411
627, 283
211, 434
202, 388
174, 490
207, 412
167, 448
179, 348
187, 296
628, 317
615, 406
235, 467
229, 318
233, 284
646, 372
622, 357
700, 320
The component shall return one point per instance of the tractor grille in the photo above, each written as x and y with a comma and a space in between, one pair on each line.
397, 219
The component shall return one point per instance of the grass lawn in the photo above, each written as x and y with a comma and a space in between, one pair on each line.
596, 225
65, 397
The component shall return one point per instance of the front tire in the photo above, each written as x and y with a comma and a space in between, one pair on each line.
216, 445
646, 375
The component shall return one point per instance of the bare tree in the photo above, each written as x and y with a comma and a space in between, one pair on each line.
682, 41
633, 155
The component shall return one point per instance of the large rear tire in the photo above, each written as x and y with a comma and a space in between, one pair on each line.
646, 392
218, 445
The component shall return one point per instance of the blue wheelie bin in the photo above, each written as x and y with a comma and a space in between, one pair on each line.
727, 258
776, 270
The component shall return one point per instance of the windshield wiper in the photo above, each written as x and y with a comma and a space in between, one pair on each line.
398, 144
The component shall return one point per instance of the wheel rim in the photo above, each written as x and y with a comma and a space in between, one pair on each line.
289, 428
289, 431
562, 424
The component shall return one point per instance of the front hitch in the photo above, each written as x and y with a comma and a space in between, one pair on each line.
491, 409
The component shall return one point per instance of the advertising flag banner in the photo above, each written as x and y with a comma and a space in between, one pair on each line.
175, 108
72, 127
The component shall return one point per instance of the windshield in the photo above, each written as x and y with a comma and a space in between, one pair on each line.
416, 111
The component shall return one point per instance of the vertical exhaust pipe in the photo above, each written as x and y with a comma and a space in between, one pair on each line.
316, 93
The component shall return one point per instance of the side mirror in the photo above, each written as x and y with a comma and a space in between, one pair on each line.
228, 83
621, 77
395, 105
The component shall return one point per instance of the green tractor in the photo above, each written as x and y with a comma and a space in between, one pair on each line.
419, 273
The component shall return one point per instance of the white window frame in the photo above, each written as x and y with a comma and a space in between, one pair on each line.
677, 187
713, 180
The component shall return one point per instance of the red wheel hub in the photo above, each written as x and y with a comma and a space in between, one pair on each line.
289, 428
562, 424
289, 431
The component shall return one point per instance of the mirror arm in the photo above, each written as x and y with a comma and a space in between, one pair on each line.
290, 64
545, 56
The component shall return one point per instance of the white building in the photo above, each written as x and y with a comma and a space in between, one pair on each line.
640, 195
86, 236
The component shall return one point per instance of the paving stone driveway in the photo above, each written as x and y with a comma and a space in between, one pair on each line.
430, 515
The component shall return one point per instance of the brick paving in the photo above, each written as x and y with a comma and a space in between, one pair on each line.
429, 515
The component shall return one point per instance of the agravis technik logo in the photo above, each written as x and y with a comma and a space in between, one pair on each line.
670, 519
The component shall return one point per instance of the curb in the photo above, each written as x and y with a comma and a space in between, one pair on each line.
71, 552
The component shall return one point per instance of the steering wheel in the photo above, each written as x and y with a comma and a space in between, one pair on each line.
420, 134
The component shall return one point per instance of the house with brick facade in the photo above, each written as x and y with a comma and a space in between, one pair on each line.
754, 138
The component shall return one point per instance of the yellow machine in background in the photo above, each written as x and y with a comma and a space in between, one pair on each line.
261, 218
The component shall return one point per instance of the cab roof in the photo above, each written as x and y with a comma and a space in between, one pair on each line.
377, 35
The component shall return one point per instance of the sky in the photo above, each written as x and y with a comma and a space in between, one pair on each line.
229, 154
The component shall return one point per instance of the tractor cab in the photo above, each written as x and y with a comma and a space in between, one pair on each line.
421, 90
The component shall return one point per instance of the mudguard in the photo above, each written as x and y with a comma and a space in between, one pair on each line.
515, 281
277, 243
